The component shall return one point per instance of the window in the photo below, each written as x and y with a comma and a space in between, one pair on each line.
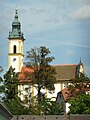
14, 49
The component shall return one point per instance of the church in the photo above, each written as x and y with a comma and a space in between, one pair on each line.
64, 73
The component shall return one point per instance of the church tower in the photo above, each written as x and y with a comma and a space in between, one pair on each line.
16, 41
80, 69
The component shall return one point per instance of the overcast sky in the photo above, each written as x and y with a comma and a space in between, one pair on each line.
61, 25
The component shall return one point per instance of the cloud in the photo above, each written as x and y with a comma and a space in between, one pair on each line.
59, 42
82, 13
38, 10
70, 52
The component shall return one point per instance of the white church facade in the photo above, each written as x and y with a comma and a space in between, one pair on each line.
16, 42
65, 73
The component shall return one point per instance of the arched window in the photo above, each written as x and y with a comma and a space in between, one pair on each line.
14, 49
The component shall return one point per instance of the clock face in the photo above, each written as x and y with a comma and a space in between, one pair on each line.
14, 59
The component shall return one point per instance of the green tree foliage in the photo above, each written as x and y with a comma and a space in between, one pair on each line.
79, 100
9, 88
1, 83
43, 74
2, 88
11, 84
79, 85
80, 104
48, 107
51, 107
1, 68
16, 107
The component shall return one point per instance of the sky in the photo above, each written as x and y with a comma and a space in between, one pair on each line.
63, 26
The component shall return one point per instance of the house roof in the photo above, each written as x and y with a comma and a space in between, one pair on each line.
24, 75
63, 73
67, 94
5, 109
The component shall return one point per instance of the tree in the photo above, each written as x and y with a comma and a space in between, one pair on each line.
1, 68
17, 107
49, 107
11, 84
43, 74
78, 99
9, 88
1, 83
2, 88
80, 104
79, 85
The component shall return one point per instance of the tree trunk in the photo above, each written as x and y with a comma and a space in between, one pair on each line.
39, 101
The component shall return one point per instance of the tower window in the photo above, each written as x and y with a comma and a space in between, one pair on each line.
14, 49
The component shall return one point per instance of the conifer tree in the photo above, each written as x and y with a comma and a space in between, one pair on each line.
11, 84
9, 88
1, 81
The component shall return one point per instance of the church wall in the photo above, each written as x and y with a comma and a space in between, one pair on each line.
16, 61
18, 44
33, 90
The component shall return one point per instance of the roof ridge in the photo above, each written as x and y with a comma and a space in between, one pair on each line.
64, 65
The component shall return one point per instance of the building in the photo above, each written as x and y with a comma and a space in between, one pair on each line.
65, 94
4, 113
65, 73
16, 41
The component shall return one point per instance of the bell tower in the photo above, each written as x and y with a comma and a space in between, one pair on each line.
80, 69
16, 41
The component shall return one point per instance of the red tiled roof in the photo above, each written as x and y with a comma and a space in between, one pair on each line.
24, 75
63, 72
67, 94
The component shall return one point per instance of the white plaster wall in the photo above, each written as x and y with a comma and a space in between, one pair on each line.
18, 63
67, 107
34, 90
49, 95
81, 69
57, 89
19, 45
23, 91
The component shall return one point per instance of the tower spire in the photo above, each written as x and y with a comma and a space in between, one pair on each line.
16, 13
80, 60
16, 27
